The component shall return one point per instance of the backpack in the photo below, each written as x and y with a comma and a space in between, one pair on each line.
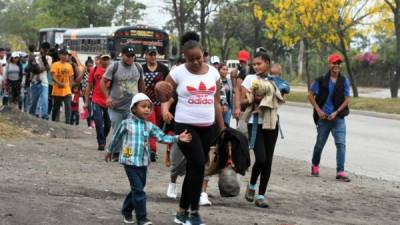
115, 69
282, 85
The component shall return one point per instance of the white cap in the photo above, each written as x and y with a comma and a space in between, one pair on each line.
15, 54
138, 98
214, 59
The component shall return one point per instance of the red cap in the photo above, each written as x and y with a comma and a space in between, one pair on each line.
244, 55
333, 58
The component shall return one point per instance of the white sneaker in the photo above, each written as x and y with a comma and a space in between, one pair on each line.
171, 192
204, 199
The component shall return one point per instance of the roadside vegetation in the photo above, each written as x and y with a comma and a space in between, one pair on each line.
387, 105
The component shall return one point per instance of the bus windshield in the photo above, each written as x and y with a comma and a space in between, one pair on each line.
140, 39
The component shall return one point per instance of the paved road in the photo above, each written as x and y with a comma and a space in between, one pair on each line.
373, 144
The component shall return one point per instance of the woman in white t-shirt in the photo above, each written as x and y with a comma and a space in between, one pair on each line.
265, 139
199, 111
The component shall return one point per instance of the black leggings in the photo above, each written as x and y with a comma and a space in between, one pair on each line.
263, 152
14, 87
196, 153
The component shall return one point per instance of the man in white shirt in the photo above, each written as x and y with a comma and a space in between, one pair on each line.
40, 83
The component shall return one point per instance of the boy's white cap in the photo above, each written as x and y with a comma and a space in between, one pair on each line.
215, 59
138, 98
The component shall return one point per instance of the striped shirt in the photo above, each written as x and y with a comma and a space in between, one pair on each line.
135, 134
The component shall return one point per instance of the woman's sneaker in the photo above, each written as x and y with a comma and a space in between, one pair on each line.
249, 196
181, 217
204, 199
342, 176
314, 171
194, 219
260, 202
171, 192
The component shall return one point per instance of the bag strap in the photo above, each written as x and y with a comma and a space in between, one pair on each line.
139, 68
114, 70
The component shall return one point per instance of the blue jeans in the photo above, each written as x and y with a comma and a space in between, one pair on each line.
90, 110
103, 123
227, 117
136, 199
116, 118
26, 100
40, 96
338, 129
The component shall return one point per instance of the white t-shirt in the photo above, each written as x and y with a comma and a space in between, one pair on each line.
195, 96
43, 75
247, 84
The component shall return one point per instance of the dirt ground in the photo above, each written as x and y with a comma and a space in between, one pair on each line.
51, 173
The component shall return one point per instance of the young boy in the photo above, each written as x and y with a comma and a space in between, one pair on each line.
135, 156
76, 94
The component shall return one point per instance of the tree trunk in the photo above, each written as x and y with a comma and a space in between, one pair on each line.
394, 83
124, 13
300, 61
179, 21
348, 65
203, 6
306, 60
291, 70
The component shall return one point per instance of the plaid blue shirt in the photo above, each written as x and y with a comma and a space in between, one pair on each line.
135, 133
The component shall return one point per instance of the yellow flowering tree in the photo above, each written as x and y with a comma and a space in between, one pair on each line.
317, 23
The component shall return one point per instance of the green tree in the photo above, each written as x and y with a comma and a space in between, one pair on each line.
131, 11
18, 18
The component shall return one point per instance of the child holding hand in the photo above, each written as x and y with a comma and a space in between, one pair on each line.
135, 156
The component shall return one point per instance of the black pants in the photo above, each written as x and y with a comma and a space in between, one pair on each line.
264, 152
14, 91
196, 153
50, 106
74, 118
57, 105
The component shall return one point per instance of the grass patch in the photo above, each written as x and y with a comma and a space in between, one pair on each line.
7, 130
387, 105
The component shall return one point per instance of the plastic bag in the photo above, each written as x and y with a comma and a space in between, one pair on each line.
84, 114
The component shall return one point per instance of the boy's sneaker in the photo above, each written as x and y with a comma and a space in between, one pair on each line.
194, 219
145, 221
128, 219
204, 199
314, 171
249, 196
153, 156
181, 217
171, 192
115, 157
342, 176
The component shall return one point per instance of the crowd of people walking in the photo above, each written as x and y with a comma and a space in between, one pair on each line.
187, 106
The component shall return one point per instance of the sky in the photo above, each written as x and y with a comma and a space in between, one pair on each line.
155, 14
